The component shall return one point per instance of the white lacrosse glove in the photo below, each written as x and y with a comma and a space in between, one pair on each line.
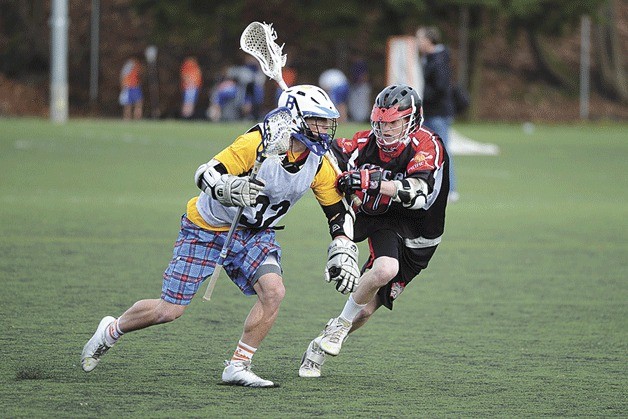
342, 265
236, 191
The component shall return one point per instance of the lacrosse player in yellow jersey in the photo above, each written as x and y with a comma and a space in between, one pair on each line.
253, 260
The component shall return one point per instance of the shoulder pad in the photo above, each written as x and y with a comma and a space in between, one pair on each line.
361, 138
346, 145
423, 134
428, 151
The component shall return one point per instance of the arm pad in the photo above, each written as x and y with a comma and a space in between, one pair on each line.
208, 174
340, 218
411, 192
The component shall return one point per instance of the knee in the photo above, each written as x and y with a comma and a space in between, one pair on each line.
384, 269
276, 294
272, 292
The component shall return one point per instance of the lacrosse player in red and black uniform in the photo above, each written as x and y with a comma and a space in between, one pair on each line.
399, 170
253, 262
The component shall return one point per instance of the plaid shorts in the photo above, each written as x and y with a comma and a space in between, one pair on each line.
197, 250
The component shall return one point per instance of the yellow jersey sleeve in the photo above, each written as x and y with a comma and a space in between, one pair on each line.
324, 185
239, 157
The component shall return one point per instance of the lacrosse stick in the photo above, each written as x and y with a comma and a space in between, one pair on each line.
276, 131
258, 40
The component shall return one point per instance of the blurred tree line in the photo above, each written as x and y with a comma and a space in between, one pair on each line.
327, 33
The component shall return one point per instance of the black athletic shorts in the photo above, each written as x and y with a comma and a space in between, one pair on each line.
411, 261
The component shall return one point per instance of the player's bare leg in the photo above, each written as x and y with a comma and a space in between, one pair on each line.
383, 270
141, 315
145, 313
138, 109
270, 292
365, 314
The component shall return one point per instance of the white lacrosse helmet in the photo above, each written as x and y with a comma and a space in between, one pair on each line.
307, 101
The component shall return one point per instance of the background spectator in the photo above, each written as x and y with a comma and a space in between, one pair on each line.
191, 81
253, 88
131, 97
224, 100
336, 84
359, 101
438, 107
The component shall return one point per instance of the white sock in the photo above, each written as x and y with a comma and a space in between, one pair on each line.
113, 332
351, 309
243, 352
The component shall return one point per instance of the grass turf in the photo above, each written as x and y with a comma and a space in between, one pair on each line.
522, 311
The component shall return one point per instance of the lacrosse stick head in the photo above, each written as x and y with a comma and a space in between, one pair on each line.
314, 116
258, 39
276, 131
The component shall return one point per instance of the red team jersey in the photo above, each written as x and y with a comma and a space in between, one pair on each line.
425, 158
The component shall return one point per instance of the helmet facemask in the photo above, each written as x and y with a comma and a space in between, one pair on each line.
315, 118
317, 133
392, 127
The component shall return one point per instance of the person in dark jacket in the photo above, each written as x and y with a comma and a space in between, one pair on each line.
438, 105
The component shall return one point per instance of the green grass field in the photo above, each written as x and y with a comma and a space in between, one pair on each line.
523, 311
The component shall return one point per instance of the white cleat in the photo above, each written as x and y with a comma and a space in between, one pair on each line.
312, 360
97, 346
336, 331
238, 373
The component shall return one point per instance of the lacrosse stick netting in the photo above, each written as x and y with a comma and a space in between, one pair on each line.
258, 40
276, 130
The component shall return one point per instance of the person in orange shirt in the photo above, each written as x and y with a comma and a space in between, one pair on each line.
131, 97
191, 81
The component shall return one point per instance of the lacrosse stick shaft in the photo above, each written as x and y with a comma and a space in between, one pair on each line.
282, 84
221, 259
225, 247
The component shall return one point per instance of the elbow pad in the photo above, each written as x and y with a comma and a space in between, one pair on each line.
207, 175
411, 192
341, 224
